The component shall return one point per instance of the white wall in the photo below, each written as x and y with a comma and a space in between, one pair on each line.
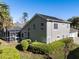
62, 31
49, 33
74, 34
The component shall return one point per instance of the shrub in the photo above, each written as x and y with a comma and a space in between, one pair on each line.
28, 40
40, 48
9, 53
74, 54
68, 43
68, 40
24, 44
55, 45
19, 47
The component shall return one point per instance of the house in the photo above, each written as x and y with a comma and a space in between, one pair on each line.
45, 29
13, 34
73, 33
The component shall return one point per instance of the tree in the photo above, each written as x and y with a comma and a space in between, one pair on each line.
4, 10
68, 43
74, 22
5, 18
25, 15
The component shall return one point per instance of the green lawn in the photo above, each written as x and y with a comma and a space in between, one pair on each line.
57, 51
29, 55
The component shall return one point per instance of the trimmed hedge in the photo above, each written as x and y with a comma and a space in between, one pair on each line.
24, 44
28, 40
55, 45
40, 48
9, 53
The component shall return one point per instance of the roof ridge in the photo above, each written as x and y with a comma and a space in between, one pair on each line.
51, 18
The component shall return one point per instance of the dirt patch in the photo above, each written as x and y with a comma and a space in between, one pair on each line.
3, 42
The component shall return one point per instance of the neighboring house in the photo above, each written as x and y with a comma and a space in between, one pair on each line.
73, 33
13, 34
45, 29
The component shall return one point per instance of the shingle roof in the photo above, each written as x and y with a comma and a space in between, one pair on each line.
51, 18
46, 18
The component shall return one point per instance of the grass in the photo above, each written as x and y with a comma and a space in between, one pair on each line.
8, 52
55, 45
57, 51
30, 55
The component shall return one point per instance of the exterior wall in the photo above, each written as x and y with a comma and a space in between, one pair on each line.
37, 33
74, 34
48, 34
56, 34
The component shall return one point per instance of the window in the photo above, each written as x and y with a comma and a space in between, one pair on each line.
55, 26
22, 35
34, 27
28, 35
42, 24
41, 28
58, 36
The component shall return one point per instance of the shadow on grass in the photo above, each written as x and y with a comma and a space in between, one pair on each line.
19, 47
38, 51
47, 56
73, 54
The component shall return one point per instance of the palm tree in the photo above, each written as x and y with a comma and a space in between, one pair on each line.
4, 16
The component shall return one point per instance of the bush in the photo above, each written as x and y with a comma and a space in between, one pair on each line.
19, 47
9, 53
40, 48
68, 43
28, 40
55, 45
68, 40
24, 44
74, 54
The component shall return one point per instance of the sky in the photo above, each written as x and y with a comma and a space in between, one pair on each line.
62, 9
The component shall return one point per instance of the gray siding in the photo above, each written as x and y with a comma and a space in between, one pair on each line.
37, 33
48, 34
